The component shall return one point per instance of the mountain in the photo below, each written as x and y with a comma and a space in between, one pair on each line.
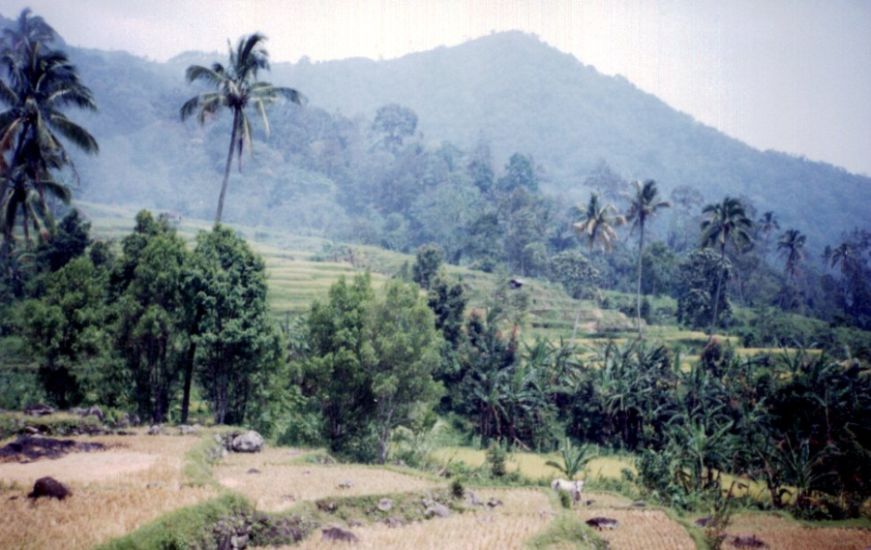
507, 90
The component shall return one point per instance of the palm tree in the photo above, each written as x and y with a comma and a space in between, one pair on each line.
644, 203
39, 84
598, 224
726, 223
791, 246
574, 459
236, 88
844, 255
767, 224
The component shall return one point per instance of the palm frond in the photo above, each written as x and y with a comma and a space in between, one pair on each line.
75, 133
206, 74
189, 107
261, 108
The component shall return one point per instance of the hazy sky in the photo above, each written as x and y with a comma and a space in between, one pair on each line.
782, 74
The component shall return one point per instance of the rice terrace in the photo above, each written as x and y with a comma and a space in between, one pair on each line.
434, 275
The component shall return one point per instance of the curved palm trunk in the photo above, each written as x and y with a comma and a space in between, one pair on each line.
717, 293
638, 289
227, 167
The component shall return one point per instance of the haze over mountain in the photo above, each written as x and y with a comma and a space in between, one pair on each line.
507, 90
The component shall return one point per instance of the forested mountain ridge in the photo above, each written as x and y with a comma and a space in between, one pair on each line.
508, 91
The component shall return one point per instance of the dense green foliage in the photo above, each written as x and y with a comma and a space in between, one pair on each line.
370, 364
152, 325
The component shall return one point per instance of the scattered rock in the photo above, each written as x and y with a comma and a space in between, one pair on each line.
347, 484
748, 541
328, 506
153, 485
355, 523
494, 502
93, 410
155, 429
337, 533
49, 487
184, 429
603, 523
306, 472
38, 409
589, 502
639, 504
248, 442
437, 510
252, 471
703, 522
27, 448
239, 541
288, 498
394, 522
385, 504
472, 499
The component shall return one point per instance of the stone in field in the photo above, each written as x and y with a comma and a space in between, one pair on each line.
49, 487
38, 409
437, 510
336, 533
248, 442
603, 523
748, 541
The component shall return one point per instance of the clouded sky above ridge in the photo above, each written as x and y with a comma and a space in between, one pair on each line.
792, 75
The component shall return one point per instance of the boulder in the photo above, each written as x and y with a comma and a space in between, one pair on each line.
49, 487
394, 522
347, 484
603, 523
184, 429
385, 504
494, 502
472, 499
437, 510
748, 541
337, 533
155, 429
38, 409
248, 442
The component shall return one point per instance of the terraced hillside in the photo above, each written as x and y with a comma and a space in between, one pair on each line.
301, 270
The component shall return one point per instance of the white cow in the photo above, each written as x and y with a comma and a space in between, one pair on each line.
570, 486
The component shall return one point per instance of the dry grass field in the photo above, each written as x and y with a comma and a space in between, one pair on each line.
140, 478
114, 492
786, 534
524, 513
639, 529
281, 483
534, 465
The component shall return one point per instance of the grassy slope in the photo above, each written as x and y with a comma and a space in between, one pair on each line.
298, 274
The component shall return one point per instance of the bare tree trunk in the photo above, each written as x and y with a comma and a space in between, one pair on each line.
188, 376
638, 290
717, 294
227, 168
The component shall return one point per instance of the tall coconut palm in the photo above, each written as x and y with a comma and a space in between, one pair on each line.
843, 255
726, 223
38, 85
598, 223
767, 224
644, 203
791, 247
236, 88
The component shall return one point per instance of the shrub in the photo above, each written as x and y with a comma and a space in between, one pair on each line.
496, 458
